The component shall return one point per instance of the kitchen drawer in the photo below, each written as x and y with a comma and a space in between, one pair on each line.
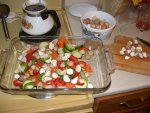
130, 102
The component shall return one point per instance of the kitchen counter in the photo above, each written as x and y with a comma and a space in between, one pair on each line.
121, 81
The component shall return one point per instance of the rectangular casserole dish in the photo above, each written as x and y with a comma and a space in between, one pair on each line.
101, 63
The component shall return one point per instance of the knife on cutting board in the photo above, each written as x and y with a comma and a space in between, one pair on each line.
144, 42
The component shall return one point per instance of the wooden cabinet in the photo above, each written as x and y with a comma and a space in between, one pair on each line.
130, 102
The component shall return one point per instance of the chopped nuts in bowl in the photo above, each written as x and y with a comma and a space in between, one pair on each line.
97, 24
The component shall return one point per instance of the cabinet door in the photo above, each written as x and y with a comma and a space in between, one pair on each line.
130, 102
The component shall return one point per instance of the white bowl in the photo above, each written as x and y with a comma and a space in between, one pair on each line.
98, 33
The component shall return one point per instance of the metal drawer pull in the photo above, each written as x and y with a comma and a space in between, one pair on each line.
129, 105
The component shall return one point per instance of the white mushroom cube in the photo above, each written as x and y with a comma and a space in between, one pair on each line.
144, 54
46, 78
128, 51
123, 49
90, 85
127, 58
54, 75
42, 70
42, 49
48, 60
74, 80
140, 55
129, 43
17, 76
51, 45
139, 48
70, 71
20, 57
33, 67
47, 73
78, 68
66, 78
41, 53
132, 54
133, 48
54, 62
135, 41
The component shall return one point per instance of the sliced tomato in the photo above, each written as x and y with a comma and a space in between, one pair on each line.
39, 64
75, 64
29, 58
30, 53
36, 72
76, 74
17, 83
58, 82
82, 63
54, 85
59, 63
72, 58
83, 48
79, 83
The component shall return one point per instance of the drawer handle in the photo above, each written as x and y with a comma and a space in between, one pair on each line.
133, 105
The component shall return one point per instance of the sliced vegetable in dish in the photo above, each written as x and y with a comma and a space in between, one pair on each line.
55, 64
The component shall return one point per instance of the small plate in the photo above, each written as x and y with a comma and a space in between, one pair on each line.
79, 9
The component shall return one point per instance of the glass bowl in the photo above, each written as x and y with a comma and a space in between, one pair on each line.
101, 63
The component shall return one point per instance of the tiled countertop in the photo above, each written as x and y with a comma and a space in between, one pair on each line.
122, 81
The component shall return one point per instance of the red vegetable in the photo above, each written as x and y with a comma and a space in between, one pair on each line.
59, 64
36, 83
82, 63
17, 83
36, 72
54, 55
76, 74
30, 53
83, 48
39, 64
61, 42
79, 83
69, 85
88, 68
72, 58
58, 82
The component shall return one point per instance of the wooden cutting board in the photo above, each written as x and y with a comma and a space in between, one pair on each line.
134, 64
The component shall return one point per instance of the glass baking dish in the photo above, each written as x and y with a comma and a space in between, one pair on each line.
100, 61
